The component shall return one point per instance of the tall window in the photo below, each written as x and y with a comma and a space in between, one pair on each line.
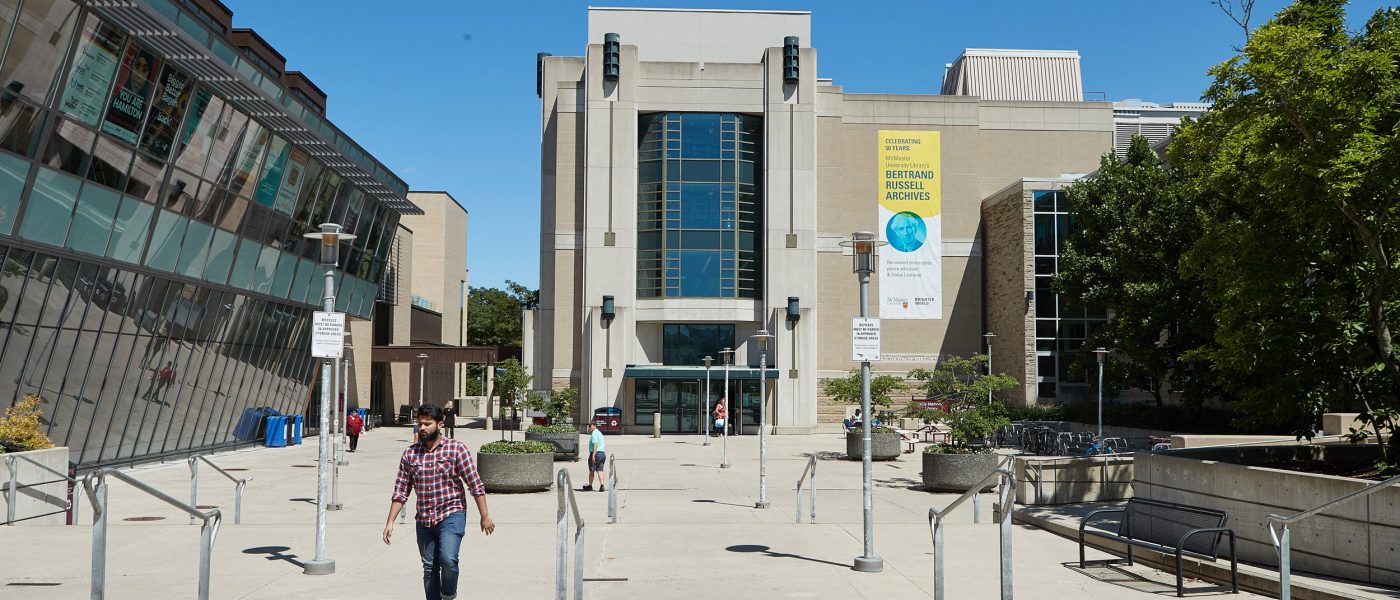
697, 201
1061, 325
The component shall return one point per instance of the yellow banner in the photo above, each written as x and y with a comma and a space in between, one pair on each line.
910, 176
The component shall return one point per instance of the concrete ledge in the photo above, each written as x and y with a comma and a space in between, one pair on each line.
1251, 578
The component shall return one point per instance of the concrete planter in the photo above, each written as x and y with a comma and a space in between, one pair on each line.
516, 472
565, 444
958, 472
42, 497
884, 445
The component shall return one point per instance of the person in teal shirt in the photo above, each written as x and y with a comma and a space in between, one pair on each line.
596, 457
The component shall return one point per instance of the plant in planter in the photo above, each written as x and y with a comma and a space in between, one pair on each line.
516, 466
884, 442
559, 408
511, 383
19, 428
971, 422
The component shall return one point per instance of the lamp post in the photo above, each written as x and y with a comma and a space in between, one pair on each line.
705, 406
1100, 353
988, 336
330, 238
862, 245
422, 363
762, 337
341, 415
728, 354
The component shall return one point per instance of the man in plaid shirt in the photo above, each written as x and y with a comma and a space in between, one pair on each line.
438, 469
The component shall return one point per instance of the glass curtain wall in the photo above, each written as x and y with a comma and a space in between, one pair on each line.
699, 187
1061, 325
155, 287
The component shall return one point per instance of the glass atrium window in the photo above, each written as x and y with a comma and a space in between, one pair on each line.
697, 205
1061, 326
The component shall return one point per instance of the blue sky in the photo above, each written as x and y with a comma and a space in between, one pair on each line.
443, 91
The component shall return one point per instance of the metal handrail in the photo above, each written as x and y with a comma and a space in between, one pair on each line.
95, 485
812, 490
568, 502
612, 489
72, 503
1006, 497
237, 490
1282, 545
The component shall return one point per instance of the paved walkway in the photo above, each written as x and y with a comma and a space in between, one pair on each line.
687, 529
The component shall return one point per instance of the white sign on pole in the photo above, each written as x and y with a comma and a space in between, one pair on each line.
327, 334
865, 340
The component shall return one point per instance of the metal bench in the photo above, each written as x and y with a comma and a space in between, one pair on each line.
1168, 528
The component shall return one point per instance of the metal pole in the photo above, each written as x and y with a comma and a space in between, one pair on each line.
322, 565
724, 431
206, 551
1285, 583
1007, 497
335, 504
238, 502
14, 489
99, 537
341, 414
1100, 353
762, 427
194, 484
561, 550
868, 562
937, 558
705, 406
989, 367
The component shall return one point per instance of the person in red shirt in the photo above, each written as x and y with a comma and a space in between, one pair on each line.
353, 426
438, 469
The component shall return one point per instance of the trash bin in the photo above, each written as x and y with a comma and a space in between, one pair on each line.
608, 419
299, 422
364, 417
276, 436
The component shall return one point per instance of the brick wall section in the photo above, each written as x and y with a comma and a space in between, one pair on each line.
1009, 236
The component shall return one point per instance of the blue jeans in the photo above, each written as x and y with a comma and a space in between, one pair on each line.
438, 546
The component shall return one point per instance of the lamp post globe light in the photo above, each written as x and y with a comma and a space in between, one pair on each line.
728, 355
330, 238
705, 405
863, 245
1100, 353
762, 337
988, 336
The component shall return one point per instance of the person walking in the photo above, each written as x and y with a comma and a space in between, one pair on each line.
353, 426
449, 419
721, 414
438, 469
596, 457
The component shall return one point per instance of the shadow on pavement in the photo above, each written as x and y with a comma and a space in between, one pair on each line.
708, 501
767, 552
1150, 582
276, 553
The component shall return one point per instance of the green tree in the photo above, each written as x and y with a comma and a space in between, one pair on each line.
1132, 226
510, 385
1297, 166
847, 389
964, 382
557, 405
493, 314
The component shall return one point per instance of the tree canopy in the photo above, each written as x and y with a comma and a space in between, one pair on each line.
493, 314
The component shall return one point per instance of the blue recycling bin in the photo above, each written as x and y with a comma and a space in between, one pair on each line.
276, 432
300, 421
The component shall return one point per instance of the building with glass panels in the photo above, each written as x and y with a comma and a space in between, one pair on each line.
156, 179
697, 180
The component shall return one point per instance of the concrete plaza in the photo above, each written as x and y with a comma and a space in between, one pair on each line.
686, 529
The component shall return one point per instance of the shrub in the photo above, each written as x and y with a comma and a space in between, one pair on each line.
19, 429
557, 428
951, 449
558, 405
520, 447
961, 380
847, 389
878, 429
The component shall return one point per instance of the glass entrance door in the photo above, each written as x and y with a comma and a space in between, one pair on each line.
689, 407
680, 406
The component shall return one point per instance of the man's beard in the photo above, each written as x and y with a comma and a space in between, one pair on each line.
428, 437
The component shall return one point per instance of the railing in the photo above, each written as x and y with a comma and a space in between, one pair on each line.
1281, 541
1006, 497
568, 503
612, 489
808, 474
71, 505
237, 489
95, 484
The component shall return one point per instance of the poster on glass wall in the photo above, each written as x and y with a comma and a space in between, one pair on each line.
132, 96
271, 180
909, 181
166, 113
93, 67
295, 171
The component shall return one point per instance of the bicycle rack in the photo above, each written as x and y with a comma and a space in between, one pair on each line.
567, 503
808, 474
1006, 497
95, 485
237, 490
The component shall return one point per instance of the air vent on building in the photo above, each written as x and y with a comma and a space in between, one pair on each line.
389, 284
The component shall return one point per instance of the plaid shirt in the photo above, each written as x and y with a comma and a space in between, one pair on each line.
435, 474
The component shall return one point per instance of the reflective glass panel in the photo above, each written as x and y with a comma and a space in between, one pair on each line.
13, 172
129, 230
50, 207
221, 253
165, 242
40, 38
92, 221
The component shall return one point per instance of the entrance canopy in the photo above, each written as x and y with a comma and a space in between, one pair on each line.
489, 355
692, 373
